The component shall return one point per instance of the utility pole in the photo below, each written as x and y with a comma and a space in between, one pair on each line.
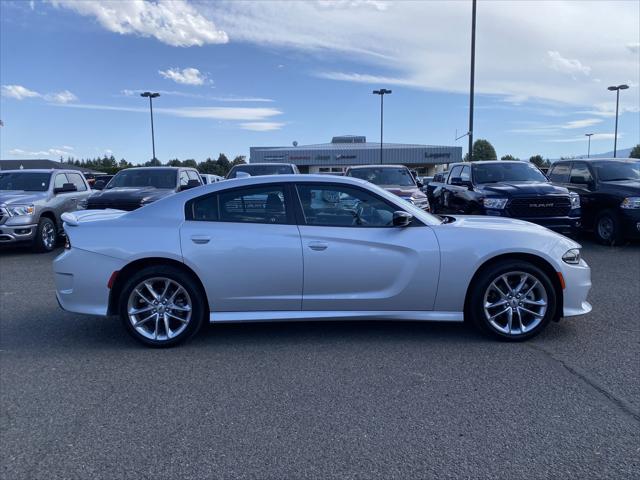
382, 92
472, 80
151, 97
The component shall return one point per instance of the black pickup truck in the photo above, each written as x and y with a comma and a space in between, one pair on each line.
609, 192
136, 187
508, 189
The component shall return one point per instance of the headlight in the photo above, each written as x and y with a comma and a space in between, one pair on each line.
572, 256
16, 210
575, 200
495, 203
630, 203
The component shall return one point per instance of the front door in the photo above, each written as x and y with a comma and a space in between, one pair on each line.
355, 259
244, 245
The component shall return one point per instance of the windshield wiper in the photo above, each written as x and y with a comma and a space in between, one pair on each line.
619, 179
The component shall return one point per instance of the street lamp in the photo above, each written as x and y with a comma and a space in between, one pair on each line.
472, 77
382, 92
617, 90
588, 135
151, 97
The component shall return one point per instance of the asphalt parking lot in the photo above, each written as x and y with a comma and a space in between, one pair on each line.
81, 399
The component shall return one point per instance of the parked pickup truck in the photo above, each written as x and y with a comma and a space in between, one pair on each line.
32, 201
609, 192
508, 189
133, 188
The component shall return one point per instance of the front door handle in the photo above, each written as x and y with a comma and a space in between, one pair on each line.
318, 246
200, 239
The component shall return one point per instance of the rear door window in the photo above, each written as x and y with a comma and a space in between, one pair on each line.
560, 173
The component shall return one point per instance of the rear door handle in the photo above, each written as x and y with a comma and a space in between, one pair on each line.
200, 239
318, 246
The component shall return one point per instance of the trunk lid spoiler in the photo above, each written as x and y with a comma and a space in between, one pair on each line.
73, 219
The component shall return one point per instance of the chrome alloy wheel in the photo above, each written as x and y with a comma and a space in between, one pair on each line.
515, 303
159, 308
48, 236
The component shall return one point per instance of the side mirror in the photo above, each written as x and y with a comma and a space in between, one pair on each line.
99, 185
65, 188
419, 184
190, 184
402, 219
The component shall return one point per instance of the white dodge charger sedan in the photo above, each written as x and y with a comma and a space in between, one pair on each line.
298, 247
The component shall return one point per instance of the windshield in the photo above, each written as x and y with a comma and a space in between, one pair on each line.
259, 170
507, 172
385, 177
611, 170
158, 178
26, 181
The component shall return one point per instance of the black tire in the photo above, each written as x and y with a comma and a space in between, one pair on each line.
475, 308
182, 278
42, 241
607, 228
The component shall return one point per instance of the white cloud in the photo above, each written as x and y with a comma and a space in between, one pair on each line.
174, 22
633, 47
61, 97
411, 44
566, 65
130, 93
18, 92
247, 114
186, 76
262, 126
587, 122
38, 153
582, 138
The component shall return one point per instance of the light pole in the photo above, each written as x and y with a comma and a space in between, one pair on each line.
588, 135
151, 97
472, 79
616, 89
382, 92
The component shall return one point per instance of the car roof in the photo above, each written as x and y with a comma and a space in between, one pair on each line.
388, 165
263, 164
41, 170
593, 160
153, 168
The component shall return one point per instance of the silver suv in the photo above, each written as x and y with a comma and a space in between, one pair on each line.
31, 202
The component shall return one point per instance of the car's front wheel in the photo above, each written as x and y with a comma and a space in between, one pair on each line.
512, 300
46, 236
162, 306
607, 228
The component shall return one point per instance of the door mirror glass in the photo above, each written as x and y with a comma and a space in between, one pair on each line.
190, 184
402, 219
65, 188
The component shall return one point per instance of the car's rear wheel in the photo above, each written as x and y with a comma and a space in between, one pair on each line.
46, 236
162, 306
512, 300
608, 228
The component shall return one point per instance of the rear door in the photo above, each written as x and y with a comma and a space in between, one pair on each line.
355, 259
244, 245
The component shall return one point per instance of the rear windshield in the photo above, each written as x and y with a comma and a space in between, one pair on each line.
26, 181
611, 171
259, 170
507, 172
145, 178
384, 177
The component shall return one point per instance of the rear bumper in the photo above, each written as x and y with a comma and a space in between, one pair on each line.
81, 279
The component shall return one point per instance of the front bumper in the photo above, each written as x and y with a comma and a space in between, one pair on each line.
630, 219
565, 225
577, 279
81, 279
17, 233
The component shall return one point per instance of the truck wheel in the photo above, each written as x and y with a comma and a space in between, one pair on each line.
607, 228
46, 236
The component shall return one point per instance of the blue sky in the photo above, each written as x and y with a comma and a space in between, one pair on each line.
239, 74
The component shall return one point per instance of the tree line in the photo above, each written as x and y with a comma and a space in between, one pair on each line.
109, 164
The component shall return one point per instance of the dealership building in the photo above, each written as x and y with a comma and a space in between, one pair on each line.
347, 150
